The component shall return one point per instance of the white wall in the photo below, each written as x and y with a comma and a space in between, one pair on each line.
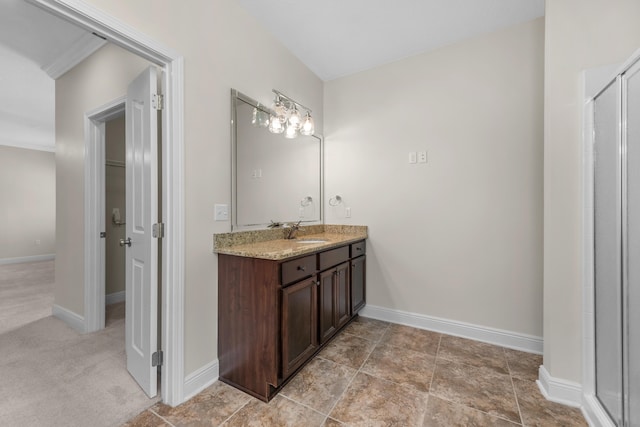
579, 35
27, 202
223, 48
460, 237
27, 108
100, 79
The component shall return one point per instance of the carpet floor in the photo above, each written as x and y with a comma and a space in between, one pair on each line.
26, 293
50, 375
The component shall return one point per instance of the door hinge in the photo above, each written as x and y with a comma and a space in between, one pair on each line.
103, 234
157, 230
157, 101
157, 358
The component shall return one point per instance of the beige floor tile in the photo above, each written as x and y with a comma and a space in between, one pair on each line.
441, 413
319, 384
348, 350
369, 329
538, 411
523, 365
146, 419
402, 366
480, 388
465, 383
211, 407
412, 338
280, 412
371, 401
475, 353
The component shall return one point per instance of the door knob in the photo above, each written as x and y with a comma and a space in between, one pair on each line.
125, 242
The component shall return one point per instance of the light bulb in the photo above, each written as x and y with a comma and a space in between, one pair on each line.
295, 119
308, 127
280, 110
290, 132
254, 117
274, 125
263, 119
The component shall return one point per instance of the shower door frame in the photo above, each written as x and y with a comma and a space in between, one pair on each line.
594, 82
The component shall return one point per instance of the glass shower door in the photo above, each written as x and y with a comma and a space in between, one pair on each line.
632, 281
607, 252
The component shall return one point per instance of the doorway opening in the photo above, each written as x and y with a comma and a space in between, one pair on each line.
172, 277
115, 209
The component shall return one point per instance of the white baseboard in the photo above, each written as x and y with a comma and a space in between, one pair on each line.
202, 378
558, 390
594, 413
69, 317
32, 258
522, 342
114, 297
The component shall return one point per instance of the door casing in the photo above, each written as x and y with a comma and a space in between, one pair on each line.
173, 248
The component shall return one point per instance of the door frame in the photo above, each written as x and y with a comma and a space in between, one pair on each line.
94, 208
593, 81
173, 247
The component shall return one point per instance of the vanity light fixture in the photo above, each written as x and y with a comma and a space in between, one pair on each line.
285, 112
259, 118
275, 126
290, 131
308, 127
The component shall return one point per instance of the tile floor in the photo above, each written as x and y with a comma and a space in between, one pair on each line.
380, 374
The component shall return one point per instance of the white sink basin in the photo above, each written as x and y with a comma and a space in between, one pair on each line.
310, 241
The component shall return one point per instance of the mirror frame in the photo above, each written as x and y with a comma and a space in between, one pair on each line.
235, 95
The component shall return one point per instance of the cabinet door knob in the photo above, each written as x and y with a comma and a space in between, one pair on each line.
301, 268
318, 283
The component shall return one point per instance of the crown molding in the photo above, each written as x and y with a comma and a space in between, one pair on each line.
28, 146
75, 54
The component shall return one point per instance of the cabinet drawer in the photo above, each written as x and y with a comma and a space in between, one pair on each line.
298, 269
358, 249
333, 257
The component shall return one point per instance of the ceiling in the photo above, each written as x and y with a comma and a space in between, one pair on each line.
34, 33
35, 48
335, 38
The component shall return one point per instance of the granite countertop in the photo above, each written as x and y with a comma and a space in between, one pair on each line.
281, 249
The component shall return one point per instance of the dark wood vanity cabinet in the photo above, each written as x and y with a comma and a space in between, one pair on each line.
358, 272
335, 306
273, 316
299, 324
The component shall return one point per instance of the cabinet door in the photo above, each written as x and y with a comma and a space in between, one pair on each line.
357, 283
327, 305
299, 324
342, 299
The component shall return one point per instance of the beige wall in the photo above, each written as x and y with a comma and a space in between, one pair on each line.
27, 202
115, 198
579, 34
460, 237
223, 48
100, 79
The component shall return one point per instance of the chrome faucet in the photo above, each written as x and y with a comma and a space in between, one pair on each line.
292, 229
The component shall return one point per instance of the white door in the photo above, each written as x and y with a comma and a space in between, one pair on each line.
142, 212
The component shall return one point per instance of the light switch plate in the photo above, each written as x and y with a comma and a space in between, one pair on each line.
412, 157
347, 212
221, 212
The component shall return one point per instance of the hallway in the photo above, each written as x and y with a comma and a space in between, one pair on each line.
53, 375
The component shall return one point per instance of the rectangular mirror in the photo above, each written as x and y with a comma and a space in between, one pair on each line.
272, 178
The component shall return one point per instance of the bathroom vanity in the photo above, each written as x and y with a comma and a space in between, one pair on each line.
280, 301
